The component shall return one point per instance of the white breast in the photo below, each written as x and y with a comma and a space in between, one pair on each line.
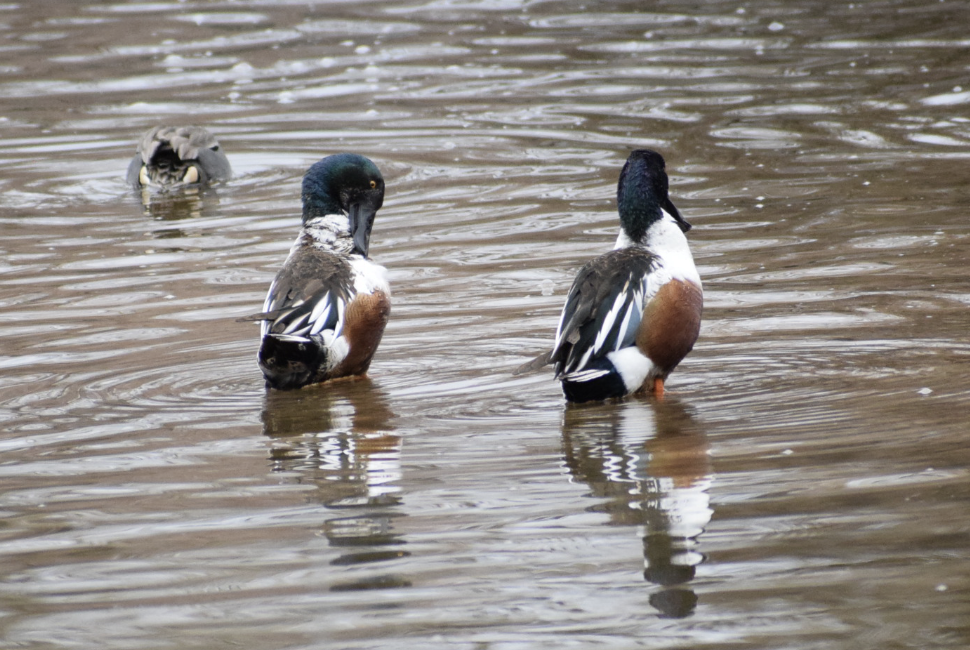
368, 276
666, 240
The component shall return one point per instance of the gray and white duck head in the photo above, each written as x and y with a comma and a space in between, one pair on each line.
174, 156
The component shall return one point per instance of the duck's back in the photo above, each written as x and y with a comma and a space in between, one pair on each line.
602, 309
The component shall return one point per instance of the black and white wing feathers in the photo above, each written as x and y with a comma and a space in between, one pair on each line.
308, 298
603, 310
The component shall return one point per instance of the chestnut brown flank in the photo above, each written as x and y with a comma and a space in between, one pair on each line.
364, 324
671, 323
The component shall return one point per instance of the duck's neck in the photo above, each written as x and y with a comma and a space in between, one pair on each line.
666, 240
317, 201
329, 232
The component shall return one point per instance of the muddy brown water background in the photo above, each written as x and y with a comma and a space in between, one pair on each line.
804, 486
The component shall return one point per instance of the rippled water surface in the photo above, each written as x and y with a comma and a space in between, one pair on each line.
806, 484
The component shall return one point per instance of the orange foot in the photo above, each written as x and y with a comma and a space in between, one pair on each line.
658, 387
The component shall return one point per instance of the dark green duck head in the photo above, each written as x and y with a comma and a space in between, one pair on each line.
170, 156
345, 183
641, 195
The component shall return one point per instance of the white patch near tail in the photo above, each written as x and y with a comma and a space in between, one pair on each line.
632, 366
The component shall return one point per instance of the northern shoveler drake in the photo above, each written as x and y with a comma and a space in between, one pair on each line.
634, 313
326, 310
168, 156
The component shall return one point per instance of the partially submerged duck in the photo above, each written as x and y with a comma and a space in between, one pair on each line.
634, 313
170, 156
325, 312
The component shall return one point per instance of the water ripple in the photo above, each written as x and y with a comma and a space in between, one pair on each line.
803, 483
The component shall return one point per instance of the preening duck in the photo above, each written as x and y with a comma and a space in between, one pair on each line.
325, 312
634, 313
168, 156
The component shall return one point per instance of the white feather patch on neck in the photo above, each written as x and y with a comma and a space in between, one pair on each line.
330, 233
666, 240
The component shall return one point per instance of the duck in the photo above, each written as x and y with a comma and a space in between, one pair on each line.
326, 310
634, 313
171, 156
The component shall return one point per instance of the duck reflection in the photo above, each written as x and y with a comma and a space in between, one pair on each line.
338, 438
650, 462
178, 204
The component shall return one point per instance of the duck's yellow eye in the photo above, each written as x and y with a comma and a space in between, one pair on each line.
373, 184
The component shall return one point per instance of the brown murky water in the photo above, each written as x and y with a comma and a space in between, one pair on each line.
806, 486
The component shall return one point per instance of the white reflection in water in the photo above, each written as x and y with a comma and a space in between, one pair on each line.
338, 439
651, 463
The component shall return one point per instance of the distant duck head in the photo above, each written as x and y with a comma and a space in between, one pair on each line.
345, 183
641, 195
171, 156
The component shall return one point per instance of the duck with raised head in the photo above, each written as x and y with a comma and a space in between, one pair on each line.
633, 313
169, 156
325, 312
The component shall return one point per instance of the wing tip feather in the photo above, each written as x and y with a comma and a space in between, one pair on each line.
539, 362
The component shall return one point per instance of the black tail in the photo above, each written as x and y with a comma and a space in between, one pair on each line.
289, 364
601, 388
